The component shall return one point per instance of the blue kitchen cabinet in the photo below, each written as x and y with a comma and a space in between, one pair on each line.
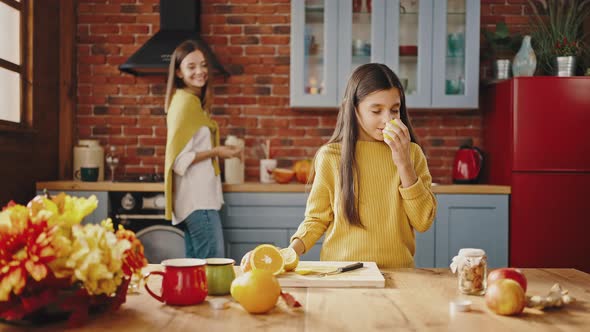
250, 219
263, 210
472, 221
424, 256
432, 45
102, 210
462, 221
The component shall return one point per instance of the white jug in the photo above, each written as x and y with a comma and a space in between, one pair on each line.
88, 153
234, 167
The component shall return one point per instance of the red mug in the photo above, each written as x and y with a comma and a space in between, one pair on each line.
184, 281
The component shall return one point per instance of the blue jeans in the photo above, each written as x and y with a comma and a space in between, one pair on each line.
203, 236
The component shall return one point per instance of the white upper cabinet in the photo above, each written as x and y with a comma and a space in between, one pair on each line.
432, 45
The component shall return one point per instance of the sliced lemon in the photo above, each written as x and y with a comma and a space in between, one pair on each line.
304, 272
291, 259
267, 257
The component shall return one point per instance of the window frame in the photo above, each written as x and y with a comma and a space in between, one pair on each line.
24, 69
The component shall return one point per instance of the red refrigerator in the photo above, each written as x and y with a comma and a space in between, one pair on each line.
537, 140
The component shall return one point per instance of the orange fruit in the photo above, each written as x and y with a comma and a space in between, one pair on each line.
302, 169
257, 291
245, 262
283, 175
267, 257
290, 257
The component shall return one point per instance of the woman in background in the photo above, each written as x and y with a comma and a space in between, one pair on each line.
192, 181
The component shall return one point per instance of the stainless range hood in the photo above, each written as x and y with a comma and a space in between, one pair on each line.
179, 21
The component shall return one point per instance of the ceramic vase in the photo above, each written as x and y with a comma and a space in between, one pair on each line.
525, 61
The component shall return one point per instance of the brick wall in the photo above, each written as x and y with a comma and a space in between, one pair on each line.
251, 36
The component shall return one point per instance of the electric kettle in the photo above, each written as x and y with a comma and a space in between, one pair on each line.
467, 165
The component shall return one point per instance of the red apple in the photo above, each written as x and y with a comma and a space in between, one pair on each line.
508, 273
505, 297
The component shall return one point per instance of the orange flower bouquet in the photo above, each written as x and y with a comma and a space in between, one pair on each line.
53, 266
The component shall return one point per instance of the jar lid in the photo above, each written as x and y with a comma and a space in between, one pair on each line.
219, 303
471, 252
460, 305
88, 142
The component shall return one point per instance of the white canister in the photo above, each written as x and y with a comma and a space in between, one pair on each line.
234, 167
266, 168
88, 153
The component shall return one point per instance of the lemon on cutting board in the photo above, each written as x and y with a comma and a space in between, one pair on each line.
290, 258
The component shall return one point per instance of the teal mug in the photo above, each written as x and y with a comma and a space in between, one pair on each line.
220, 274
88, 174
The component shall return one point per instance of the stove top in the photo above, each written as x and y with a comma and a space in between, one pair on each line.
153, 177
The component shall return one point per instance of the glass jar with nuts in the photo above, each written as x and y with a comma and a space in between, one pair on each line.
471, 268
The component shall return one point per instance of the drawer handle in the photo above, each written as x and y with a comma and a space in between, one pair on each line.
140, 216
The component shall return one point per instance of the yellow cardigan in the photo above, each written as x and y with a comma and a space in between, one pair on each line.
185, 116
389, 212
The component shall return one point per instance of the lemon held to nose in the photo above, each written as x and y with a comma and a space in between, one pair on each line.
393, 122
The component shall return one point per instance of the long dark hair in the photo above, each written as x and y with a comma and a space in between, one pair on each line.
174, 82
365, 80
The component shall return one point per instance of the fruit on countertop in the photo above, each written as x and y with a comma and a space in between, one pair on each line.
245, 265
267, 257
508, 273
505, 297
291, 259
257, 291
302, 169
283, 175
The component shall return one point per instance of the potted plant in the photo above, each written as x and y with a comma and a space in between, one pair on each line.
557, 34
503, 46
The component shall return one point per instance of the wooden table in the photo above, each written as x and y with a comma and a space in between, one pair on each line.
413, 299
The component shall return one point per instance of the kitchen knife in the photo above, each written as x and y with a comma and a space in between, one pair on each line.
342, 269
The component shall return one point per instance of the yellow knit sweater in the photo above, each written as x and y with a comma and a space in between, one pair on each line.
389, 212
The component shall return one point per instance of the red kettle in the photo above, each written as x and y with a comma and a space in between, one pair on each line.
467, 165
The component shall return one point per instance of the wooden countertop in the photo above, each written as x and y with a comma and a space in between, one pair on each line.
413, 299
247, 187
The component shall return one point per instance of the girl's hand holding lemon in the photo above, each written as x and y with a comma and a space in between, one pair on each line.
397, 136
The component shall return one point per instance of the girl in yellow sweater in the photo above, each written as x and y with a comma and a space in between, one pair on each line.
371, 188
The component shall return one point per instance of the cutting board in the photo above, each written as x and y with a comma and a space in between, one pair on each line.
368, 276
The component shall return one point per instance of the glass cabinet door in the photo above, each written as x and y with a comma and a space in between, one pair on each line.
361, 36
409, 48
456, 54
314, 63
